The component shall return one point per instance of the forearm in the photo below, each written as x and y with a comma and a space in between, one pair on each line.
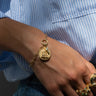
20, 38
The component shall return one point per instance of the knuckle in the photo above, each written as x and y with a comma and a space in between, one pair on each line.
73, 76
82, 69
52, 88
62, 82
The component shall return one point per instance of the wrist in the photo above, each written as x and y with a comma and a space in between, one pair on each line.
19, 37
23, 39
34, 46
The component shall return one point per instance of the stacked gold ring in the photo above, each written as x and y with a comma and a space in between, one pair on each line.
86, 90
83, 92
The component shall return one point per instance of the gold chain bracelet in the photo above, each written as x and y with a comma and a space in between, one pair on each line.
44, 53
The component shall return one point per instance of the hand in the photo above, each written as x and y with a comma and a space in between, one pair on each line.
65, 72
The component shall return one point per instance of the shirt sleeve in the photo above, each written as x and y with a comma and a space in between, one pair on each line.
6, 59
22, 63
2, 15
5, 56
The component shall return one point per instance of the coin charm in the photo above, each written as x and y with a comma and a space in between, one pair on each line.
44, 52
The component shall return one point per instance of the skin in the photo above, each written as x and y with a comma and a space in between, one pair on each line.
66, 71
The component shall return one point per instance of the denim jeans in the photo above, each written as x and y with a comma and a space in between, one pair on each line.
31, 87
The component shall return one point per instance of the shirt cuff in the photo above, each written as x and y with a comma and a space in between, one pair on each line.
22, 63
6, 59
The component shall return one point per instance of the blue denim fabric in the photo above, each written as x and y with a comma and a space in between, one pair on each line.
31, 87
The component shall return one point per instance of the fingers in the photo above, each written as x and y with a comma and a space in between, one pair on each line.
89, 65
87, 71
86, 78
79, 85
69, 91
57, 93
82, 83
82, 86
88, 75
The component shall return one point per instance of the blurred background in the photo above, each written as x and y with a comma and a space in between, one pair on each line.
7, 88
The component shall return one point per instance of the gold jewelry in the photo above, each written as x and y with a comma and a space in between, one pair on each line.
83, 92
93, 79
33, 60
92, 84
44, 53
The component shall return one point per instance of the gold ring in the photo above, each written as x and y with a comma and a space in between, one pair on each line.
93, 79
92, 84
83, 92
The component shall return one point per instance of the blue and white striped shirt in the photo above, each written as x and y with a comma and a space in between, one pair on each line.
72, 22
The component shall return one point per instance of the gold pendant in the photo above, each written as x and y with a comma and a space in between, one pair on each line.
44, 52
